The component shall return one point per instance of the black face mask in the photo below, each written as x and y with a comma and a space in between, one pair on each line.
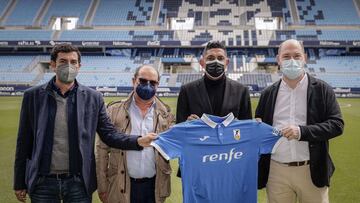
215, 68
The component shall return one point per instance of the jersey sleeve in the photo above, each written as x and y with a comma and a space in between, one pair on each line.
170, 142
269, 136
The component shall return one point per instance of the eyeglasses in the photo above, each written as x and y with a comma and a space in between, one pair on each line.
145, 82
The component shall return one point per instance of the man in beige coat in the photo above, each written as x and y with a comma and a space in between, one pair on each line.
135, 176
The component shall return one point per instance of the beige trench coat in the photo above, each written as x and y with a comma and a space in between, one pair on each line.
111, 169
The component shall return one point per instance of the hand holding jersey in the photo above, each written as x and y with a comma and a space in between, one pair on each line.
192, 117
291, 132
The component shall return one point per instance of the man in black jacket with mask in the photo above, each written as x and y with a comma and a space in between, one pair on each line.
214, 93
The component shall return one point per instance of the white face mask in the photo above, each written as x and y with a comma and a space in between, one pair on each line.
292, 68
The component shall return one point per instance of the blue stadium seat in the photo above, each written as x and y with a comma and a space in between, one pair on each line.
95, 35
184, 78
339, 64
323, 12
123, 12
106, 79
17, 78
24, 13
340, 35
67, 8
20, 35
341, 80
108, 64
262, 80
3, 4
46, 78
14, 63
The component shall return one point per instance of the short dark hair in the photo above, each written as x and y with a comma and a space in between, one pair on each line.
136, 74
64, 48
214, 45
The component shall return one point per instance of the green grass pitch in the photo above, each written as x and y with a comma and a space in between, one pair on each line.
345, 151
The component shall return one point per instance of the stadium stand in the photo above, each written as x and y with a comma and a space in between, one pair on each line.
108, 64
113, 35
230, 37
15, 70
339, 35
321, 12
67, 8
330, 32
14, 63
106, 79
181, 9
262, 80
123, 12
164, 80
108, 68
76, 35
329, 64
46, 77
341, 80
3, 4
315, 35
17, 78
222, 13
184, 78
25, 35
24, 13
264, 8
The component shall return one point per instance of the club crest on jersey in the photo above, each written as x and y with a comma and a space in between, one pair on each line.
237, 134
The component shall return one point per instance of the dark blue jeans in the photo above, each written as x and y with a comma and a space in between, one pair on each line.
142, 191
53, 190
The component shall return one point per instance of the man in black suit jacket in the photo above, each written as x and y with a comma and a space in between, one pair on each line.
214, 93
306, 111
54, 158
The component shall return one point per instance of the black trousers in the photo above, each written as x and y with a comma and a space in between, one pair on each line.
142, 190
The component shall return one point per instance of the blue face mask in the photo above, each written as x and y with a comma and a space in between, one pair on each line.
145, 91
292, 68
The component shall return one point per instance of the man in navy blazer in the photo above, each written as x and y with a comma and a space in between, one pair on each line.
55, 146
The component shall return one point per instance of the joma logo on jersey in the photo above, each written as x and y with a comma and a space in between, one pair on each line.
228, 157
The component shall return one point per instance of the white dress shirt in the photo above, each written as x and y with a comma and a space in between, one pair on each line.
291, 109
141, 164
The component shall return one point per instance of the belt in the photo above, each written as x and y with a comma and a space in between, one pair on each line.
297, 163
59, 176
142, 180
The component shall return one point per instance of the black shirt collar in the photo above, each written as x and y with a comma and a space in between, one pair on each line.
210, 82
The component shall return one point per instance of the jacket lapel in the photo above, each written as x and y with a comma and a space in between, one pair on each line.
227, 95
275, 89
43, 106
204, 97
80, 106
127, 104
310, 90
43, 110
159, 113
